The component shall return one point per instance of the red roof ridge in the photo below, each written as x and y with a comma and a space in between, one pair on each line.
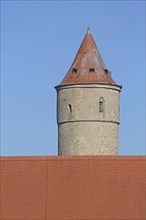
80, 157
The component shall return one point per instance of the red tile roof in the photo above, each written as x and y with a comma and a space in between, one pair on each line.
77, 187
88, 66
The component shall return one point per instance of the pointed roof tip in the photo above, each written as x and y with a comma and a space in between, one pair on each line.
88, 30
88, 66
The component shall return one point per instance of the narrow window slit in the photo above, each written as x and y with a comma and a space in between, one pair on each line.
101, 104
69, 108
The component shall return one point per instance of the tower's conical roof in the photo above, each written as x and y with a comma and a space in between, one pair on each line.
88, 66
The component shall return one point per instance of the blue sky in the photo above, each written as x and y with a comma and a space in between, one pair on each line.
39, 40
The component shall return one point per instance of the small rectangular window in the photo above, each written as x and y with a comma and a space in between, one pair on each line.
91, 70
74, 71
106, 71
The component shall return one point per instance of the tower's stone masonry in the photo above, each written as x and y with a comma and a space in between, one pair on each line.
83, 129
95, 139
88, 106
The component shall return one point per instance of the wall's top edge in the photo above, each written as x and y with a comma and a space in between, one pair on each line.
29, 158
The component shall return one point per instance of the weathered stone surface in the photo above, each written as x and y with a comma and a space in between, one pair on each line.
82, 128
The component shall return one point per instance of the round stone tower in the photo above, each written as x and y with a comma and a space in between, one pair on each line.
88, 105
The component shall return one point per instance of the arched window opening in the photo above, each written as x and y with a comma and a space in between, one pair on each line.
69, 108
101, 104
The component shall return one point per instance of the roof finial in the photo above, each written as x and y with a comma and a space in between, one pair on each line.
88, 30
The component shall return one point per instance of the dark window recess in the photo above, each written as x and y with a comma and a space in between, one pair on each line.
101, 104
91, 70
69, 108
107, 71
74, 71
